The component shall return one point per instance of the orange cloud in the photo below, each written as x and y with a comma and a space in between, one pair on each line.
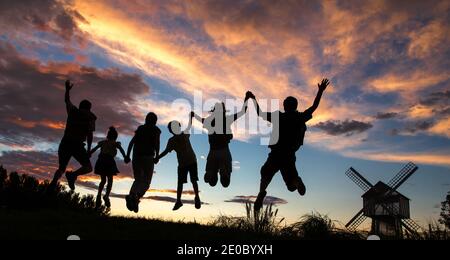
53, 125
420, 112
252, 48
32, 124
424, 158
442, 128
187, 192
429, 40
407, 83
23, 123
192, 67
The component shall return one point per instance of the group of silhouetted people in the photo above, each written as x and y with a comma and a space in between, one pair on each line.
287, 137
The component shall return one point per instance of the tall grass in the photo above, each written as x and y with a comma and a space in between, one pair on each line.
312, 226
264, 221
435, 231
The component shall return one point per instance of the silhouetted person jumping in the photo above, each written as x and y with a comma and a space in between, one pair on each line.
187, 161
219, 159
145, 145
106, 165
80, 126
287, 137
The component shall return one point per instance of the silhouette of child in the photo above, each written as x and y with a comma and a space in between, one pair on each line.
187, 161
106, 165
145, 145
287, 137
219, 159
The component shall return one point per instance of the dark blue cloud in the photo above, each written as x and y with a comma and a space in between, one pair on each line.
32, 96
347, 127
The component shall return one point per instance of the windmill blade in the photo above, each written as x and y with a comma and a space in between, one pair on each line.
356, 221
411, 226
402, 175
357, 178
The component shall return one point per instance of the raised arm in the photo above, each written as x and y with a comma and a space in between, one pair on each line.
199, 118
189, 126
322, 87
264, 115
239, 114
69, 105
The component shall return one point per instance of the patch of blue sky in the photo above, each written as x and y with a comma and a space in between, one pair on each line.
383, 137
379, 99
164, 90
101, 59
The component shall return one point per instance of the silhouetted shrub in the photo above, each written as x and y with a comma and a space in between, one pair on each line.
311, 226
24, 192
3, 177
315, 226
445, 213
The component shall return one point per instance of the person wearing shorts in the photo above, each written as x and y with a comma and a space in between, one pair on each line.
283, 163
219, 161
187, 161
218, 125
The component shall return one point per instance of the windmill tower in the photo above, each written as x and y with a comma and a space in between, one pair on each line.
388, 208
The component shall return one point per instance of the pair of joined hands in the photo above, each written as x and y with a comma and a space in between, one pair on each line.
127, 160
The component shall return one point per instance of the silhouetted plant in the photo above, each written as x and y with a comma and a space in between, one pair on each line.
3, 177
311, 226
264, 221
316, 226
435, 231
25, 192
13, 182
445, 213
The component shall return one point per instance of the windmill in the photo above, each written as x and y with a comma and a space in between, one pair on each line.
388, 208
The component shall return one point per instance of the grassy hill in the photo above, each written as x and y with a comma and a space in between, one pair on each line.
29, 211
52, 224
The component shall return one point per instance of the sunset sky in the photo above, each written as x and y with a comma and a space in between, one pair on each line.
388, 104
